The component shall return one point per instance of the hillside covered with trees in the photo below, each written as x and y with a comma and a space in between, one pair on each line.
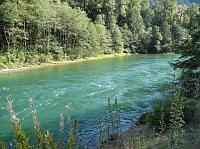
40, 31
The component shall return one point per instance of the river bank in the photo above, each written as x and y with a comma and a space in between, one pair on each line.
140, 136
65, 62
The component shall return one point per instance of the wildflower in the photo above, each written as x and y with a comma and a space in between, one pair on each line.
34, 113
61, 128
14, 119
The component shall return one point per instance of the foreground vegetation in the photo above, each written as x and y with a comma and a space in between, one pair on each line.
41, 31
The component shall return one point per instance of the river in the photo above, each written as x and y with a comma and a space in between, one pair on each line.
84, 87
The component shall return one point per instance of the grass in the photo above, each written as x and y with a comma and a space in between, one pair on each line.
13, 67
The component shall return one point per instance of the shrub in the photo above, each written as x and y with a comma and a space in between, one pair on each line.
45, 58
21, 56
161, 111
191, 84
2, 65
2, 145
3, 59
32, 58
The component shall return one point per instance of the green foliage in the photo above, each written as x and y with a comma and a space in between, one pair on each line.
176, 122
49, 140
49, 30
161, 113
127, 37
165, 11
103, 35
2, 145
190, 52
41, 31
22, 140
180, 35
70, 140
145, 42
134, 19
156, 40
116, 35
167, 37
189, 49
190, 82
146, 13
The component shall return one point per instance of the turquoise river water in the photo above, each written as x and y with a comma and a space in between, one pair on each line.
84, 87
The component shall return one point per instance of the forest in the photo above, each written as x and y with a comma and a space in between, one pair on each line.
41, 31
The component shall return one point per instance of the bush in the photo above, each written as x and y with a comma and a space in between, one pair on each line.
21, 56
45, 58
2, 65
59, 56
190, 82
161, 111
73, 53
3, 61
32, 58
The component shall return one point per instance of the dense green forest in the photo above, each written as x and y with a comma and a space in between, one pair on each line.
40, 31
